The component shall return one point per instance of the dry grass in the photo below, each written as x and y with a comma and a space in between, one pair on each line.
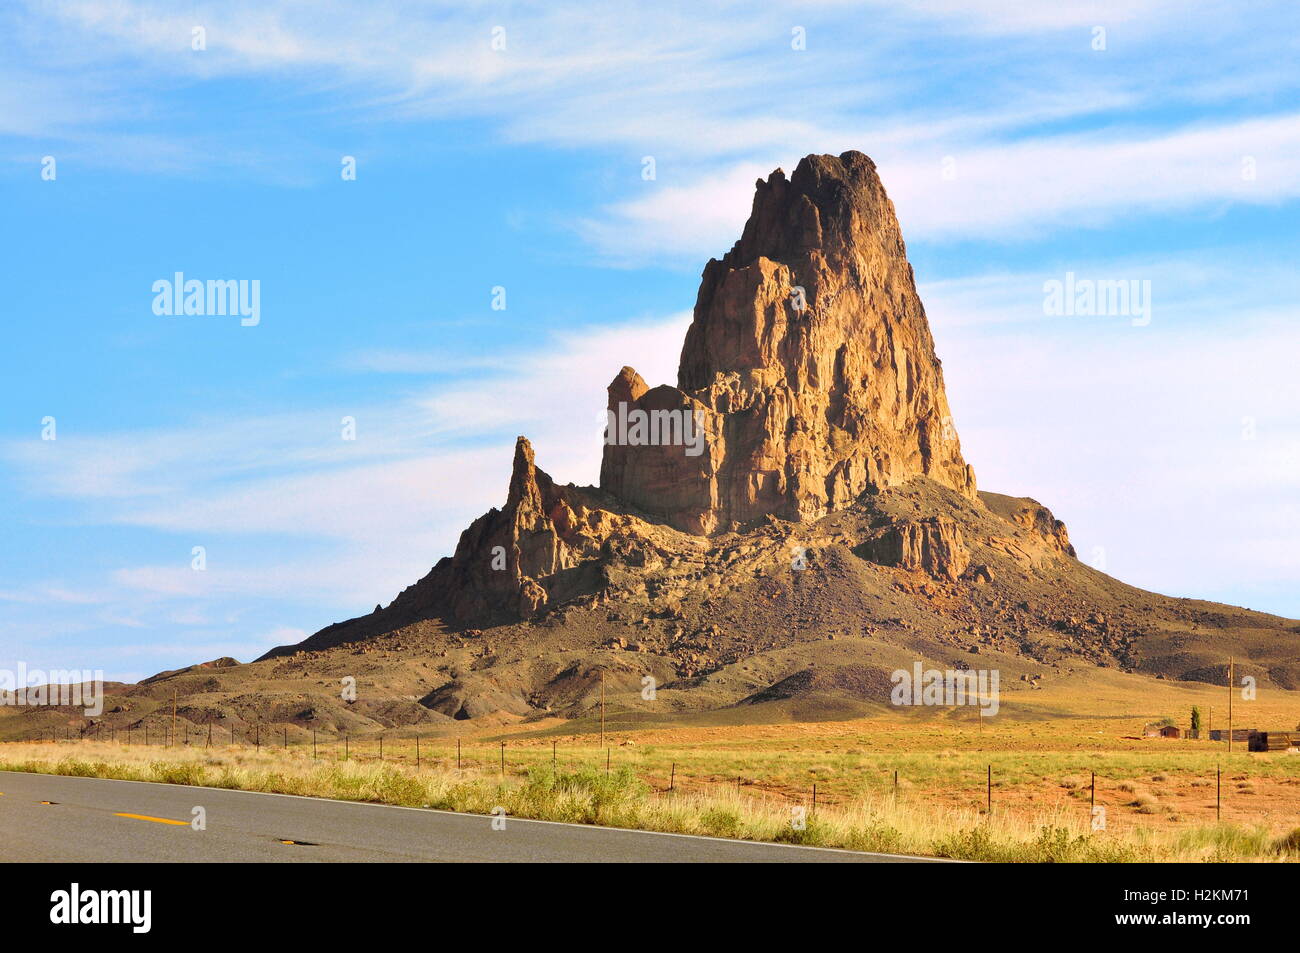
622, 798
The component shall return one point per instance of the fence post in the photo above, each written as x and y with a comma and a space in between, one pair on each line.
381, 746
457, 754
553, 761
286, 737
672, 777
503, 759
313, 744
814, 803
345, 746
990, 789
417, 752
1092, 800
1218, 786
607, 761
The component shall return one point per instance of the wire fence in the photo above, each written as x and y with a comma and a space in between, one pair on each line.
415, 751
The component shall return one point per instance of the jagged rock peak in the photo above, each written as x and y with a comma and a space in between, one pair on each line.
809, 365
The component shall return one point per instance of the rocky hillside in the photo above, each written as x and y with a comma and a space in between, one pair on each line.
824, 498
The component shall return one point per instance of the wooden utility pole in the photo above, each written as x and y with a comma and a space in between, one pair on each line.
174, 714
1230, 673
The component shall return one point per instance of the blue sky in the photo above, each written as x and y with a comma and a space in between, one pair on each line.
1145, 141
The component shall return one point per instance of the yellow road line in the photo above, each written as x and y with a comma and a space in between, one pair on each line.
156, 820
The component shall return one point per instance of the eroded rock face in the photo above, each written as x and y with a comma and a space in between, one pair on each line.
542, 531
674, 476
808, 376
809, 362
550, 543
1032, 515
934, 545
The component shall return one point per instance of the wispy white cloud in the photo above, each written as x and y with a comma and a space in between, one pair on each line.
1020, 190
680, 80
51, 593
1008, 16
1011, 191
1168, 449
1204, 289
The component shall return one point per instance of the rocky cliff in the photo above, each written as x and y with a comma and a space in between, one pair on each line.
807, 378
809, 366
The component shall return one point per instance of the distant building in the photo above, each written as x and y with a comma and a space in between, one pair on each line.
1238, 734
1160, 731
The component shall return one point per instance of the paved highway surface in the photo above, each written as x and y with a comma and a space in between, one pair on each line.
51, 818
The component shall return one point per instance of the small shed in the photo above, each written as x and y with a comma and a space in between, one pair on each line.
1169, 731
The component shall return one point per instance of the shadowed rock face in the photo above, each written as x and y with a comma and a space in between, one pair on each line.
809, 363
934, 545
544, 545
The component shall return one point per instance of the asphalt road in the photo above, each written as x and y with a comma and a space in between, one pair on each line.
92, 820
